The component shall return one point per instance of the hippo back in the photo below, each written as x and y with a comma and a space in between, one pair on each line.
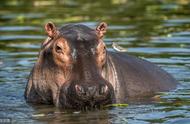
133, 77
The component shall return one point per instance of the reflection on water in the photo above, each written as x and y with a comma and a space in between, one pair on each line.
156, 30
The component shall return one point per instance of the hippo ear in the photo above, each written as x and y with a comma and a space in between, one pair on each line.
101, 29
51, 30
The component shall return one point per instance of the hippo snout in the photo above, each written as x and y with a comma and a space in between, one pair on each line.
86, 94
91, 92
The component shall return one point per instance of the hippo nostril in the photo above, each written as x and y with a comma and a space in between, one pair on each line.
103, 89
79, 89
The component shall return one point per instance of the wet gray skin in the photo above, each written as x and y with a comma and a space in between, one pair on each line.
74, 70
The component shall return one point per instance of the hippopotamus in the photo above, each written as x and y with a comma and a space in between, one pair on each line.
75, 70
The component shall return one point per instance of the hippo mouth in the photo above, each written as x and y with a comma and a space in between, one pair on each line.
86, 96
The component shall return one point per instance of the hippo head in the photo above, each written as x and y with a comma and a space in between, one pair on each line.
78, 55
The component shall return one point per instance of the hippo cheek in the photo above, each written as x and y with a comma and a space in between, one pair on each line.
63, 96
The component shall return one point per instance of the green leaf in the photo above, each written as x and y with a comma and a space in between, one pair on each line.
115, 105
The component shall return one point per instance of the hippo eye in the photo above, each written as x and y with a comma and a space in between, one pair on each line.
104, 50
58, 49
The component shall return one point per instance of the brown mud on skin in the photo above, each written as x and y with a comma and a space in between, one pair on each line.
74, 70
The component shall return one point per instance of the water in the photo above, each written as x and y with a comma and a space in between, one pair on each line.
156, 30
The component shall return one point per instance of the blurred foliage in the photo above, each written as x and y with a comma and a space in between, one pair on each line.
147, 15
